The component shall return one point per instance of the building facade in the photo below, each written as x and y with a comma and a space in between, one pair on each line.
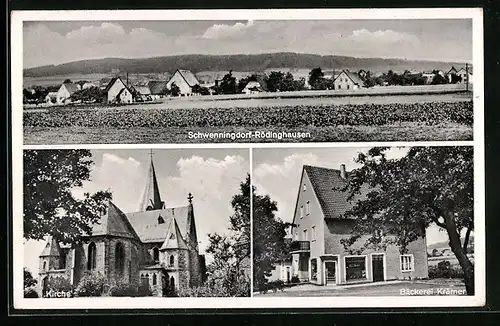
65, 91
318, 255
157, 246
185, 80
347, 80
117, 92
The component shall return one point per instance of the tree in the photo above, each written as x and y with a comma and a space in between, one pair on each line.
49, 205
316, 77
88, 95
67, 81
29, 281
269, 232
428, 186
231, 251
438, 79
174, 89
197, 89
455, 79
274, 81
227, 84
242, 83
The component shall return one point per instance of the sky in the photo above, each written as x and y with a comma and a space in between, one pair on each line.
277, 172
46, 42
213, 176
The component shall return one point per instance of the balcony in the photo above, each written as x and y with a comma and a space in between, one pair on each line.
300, 246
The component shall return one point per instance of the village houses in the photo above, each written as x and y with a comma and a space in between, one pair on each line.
117, 92
185, 80
156, 246
65, 91
319, 257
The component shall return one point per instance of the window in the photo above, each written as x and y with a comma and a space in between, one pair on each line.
407, 263
156, 254
160, 219
355, 268
304, 234
91, 262
119, 258
347, 86
172, 282
313, 233
304, 187
171, 260
296, 235
62, 260
154, 279
314, 269
308, 208
144, 279
302, 211
44, 265
340, 86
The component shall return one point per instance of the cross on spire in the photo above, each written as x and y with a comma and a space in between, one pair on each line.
190, 198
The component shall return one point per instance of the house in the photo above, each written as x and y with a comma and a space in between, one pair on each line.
252, 87
51, 98
65, 91
155, 246
117, 92
89, 85
465, 75
318, 255
429, 77
142, 93
347, 80
185, 80
157, 88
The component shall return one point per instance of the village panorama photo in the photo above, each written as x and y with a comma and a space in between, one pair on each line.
246, 80
136, 223
364, 222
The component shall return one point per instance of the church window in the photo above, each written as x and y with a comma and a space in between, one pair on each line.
172, 282
144, 279
160, 219
154, 279
91, 262
62, 260
44, 265
119, 258
172, 260
156, 254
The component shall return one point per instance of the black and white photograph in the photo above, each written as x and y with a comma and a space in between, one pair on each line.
136, 223
393, 221
250, 81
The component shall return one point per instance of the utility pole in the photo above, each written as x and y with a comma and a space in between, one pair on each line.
467, 77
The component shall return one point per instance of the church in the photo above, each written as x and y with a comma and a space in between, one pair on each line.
156, 245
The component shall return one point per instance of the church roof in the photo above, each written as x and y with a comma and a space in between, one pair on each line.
51, 248
151, 197
174, 238
114, 222
149, 230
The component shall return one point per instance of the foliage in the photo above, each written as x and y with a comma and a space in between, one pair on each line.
197, 89
36, 95
316, 78
455, 79
431, 113
49, 205
174, 90
29, 281
67, 81
438, 80
404, 196
445, 270
88, 95
269, 232
90, 285
59, 284
295, 279
242, 83
130, 290
30, 292
227, 84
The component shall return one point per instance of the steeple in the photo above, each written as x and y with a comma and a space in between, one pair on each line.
151, 199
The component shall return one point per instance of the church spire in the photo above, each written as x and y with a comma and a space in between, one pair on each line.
151, 199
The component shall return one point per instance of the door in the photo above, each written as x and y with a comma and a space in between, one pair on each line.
378, 268
288, 274
330, 272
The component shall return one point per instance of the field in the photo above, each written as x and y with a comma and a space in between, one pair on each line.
389, 118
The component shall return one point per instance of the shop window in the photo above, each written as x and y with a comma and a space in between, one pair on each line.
314, 269
355, 268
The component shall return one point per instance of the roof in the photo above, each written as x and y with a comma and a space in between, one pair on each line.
324, 181
143, 90
353, 76
253, 84
151, 197
111, 83
157, 86
147, 227
51, 248
114, 222
189, 77
71, 87
173, 238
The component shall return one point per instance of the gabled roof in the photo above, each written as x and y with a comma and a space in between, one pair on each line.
143, 90
151, 197
112, 82
71, 87
114, 222
324, 182
352, 76
173, 238
52, 248
121, 91
149, 230
189, 77
253, 84
157, 86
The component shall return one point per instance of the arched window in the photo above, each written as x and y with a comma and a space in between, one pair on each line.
91, 262
144, 279
154, 279
156, 254
160, 219
172, 282
44, 265
119, 258
62, 260
172, 260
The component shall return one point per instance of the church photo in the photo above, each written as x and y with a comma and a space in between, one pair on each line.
148, 222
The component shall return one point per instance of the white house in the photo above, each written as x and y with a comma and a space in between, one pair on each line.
466, 76
252, 87
65, 91
347, 80
117, 92
185, 80
51, 98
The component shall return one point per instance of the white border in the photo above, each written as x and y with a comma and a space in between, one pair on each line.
17, 18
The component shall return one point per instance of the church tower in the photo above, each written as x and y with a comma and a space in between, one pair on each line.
151, 199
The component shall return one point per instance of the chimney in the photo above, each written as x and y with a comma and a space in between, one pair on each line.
342, 171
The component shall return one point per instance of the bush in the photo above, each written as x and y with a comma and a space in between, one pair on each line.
445, 270
59, 284
144, 291
30, 293
123, 290
295, 279
91, 285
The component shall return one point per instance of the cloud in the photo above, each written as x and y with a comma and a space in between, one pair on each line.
104, 33
382, 36
220, 31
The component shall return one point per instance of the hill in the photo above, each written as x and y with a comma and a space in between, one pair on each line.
237, 62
